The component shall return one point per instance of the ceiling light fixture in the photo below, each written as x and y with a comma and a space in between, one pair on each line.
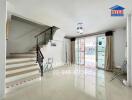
80, 28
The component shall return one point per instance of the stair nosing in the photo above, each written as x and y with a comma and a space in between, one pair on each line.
22, 72
23, 78
20, 67
19, 57
23, 53
18, 62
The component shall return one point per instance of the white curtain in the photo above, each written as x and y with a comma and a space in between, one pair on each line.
73, 51
109, 51
67, 51
70, 51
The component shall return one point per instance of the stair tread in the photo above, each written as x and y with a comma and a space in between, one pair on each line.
22, 72
23, 53
10, 57
21, 57
18, 62
20, 67
23, 80
17, 55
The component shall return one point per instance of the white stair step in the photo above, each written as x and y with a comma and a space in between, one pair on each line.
21, 75
21, 68
28, 53
23, 55
11, 60
20, 63
22, 81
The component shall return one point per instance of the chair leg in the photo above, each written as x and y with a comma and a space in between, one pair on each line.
115, 76
46, 68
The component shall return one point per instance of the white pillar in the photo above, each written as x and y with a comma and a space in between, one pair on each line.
2, 46
129, 50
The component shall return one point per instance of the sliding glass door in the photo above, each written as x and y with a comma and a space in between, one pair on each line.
90, 51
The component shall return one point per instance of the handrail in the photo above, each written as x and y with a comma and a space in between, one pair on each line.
50, 28
42, 32
40, 57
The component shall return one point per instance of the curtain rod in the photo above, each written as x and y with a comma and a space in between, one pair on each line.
86, 35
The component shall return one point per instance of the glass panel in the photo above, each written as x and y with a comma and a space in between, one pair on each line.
82, 51
90, 52
101, 51
79, 51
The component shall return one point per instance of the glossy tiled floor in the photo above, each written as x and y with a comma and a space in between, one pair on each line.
73, 83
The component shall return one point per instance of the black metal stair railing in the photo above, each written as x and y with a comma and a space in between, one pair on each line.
40, 58
42, 39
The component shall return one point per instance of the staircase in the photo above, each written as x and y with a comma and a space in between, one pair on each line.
22, 68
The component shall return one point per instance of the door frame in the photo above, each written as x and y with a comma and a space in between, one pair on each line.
96, 36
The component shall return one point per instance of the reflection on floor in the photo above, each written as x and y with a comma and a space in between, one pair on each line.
73, 83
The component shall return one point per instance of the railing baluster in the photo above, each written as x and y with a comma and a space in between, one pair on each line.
40, 57
51, 34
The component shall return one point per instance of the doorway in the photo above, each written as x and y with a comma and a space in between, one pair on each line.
90, 51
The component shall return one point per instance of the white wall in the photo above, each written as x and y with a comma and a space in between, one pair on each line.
21, 37
119, 46
2, 46
129, 50
55, 52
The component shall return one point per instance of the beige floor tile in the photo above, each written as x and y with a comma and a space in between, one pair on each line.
73, 83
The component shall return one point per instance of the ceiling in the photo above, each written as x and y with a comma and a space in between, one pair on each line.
65, 14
